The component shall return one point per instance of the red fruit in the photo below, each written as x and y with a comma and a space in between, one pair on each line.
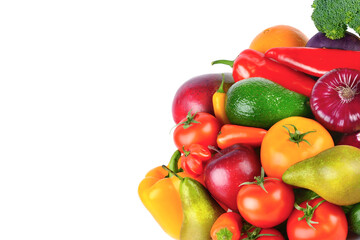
263, 198
317, 220
196, 94
335, 100
229, 168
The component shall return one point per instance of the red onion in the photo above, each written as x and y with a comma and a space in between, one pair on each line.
352, 139
335, 100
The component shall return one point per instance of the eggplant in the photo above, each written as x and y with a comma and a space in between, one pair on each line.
349, 42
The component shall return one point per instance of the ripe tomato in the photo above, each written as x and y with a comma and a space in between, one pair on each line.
266, 209
292, 140
330, 222
201, 128
259, 234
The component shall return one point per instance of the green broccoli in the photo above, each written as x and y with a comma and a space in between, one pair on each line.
333, 17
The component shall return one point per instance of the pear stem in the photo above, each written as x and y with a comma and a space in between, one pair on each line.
172, 172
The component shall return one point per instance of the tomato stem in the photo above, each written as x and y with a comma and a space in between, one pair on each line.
308, 213
255, 234
189, 120
297, 136
259, 180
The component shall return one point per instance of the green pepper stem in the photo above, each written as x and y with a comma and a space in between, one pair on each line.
222, 61
221, 88
173, 164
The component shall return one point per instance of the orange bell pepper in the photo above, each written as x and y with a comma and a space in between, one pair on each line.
159, 193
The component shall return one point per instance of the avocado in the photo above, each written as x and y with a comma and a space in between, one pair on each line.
259, 102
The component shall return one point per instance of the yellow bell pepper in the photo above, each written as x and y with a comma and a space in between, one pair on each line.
160, 195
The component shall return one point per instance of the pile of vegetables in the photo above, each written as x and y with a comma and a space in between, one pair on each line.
271, 151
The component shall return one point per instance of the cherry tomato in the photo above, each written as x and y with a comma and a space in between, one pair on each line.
265, 208
201, 128
227, 226
292, 140
328, 222
263, 234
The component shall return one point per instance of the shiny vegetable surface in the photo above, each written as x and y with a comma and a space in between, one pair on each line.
200, 128
193, 159
335, 100
315, 219
292, 140
265, 197
218, 101
250, 63
231, 134
315, 61
160, 195
227, 227
262, 234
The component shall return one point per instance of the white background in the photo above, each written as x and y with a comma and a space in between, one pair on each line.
86, 89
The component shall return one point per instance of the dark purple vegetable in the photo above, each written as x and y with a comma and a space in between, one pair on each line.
335, 100
352, 139
349, 42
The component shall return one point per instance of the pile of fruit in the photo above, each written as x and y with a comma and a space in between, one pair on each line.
271, 151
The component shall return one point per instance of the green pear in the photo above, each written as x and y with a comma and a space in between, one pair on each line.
334, 174
200, 210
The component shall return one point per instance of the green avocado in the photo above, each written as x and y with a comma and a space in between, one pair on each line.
259, 102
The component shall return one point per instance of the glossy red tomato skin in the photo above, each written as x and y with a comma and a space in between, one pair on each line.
204, 132
332, 223
272, 231
266, 210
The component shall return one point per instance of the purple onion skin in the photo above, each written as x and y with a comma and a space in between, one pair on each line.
335, 100
352, 139
349, 42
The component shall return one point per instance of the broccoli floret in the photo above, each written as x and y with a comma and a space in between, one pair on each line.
333, 17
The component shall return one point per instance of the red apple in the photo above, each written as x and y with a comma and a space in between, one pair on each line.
196, 94
229, 168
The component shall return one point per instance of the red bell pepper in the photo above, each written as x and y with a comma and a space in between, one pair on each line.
251, 63
315, 61
193, 158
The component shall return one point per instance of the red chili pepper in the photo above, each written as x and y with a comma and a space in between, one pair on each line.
315, 61
193, 158
231, 134
251, 63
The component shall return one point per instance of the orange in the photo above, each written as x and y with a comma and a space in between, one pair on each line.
278, 36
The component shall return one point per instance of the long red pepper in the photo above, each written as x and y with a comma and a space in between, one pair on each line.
315, 61
231, 134
251, 63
